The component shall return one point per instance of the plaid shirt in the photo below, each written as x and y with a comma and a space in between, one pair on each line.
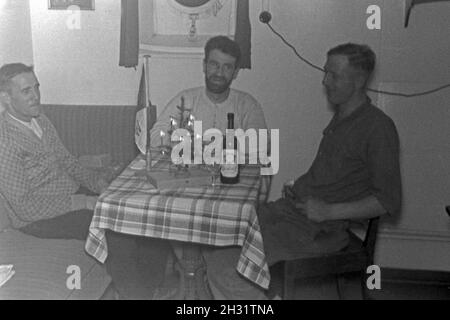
38, 176
218, 216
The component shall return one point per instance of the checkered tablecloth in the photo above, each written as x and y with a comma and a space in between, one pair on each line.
223, 215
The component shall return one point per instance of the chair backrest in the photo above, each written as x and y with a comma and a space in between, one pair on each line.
354, 258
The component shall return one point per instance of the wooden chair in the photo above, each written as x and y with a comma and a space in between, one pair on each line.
355, 258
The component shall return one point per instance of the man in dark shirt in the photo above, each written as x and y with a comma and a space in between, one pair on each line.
355, 176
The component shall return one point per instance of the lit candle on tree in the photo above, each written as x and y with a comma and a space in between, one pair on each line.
173, 123
162, 134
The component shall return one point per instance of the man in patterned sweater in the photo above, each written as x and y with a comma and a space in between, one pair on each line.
51, 194
40, 179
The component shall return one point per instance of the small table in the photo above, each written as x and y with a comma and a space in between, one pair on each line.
223, 215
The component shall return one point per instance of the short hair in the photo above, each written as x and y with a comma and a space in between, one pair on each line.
9, 71
224, 44
360, 57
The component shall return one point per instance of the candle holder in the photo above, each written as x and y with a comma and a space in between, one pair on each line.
183, 120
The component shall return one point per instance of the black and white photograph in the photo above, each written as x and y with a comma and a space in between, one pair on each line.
205, 151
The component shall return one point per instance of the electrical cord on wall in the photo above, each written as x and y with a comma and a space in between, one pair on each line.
410, 95
294, 49
265, 18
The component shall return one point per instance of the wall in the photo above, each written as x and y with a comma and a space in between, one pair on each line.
413, 60
15, 20
81, 66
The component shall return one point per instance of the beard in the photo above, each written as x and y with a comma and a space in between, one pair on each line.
217, 85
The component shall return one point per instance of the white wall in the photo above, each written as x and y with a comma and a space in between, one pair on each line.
15, 32
81, 66
413, 60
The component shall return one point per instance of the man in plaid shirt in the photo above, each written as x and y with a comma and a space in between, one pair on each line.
38, 176
51, 195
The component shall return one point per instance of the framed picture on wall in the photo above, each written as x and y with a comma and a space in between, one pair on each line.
184, 26
66, 4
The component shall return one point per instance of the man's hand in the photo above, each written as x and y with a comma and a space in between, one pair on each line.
288, 190
78, 202
102, 184
106, 175
90, 202
315, 209
288, 194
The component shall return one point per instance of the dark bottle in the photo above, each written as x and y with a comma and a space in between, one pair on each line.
229, 170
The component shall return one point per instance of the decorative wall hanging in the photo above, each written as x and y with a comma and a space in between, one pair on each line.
66, 4
183, 26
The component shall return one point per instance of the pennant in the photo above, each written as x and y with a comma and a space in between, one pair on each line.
145, 116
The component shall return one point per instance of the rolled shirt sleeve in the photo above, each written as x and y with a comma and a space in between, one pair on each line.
384, 166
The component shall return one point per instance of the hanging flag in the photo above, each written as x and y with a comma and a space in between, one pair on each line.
145, 116
243, 33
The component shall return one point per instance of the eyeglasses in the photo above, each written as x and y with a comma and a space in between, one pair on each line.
215, 66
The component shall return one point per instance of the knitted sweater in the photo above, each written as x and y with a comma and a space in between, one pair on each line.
38, 176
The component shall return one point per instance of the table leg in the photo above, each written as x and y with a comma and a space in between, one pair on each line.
192, 270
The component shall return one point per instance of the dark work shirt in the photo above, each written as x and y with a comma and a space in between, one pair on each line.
357, 157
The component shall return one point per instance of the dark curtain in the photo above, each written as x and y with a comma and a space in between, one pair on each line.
143, 101
129, 34
243, 32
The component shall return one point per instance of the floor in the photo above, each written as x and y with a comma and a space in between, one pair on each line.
395, 285
392, 288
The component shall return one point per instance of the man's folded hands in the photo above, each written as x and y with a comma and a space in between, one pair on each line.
81, 201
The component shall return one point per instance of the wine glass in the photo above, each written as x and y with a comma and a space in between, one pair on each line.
215, 175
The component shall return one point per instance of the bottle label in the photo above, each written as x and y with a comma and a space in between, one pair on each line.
229, 168
230, 156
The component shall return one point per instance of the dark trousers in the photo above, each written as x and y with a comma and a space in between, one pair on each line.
136, 264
